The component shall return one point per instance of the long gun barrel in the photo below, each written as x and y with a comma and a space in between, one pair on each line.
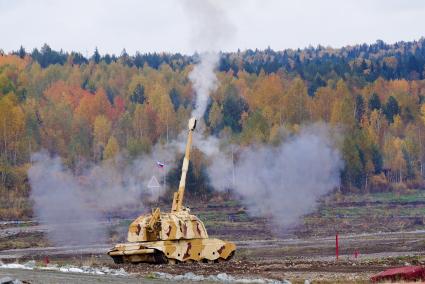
179, 195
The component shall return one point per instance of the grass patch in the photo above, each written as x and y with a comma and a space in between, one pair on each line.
23, 240
413, 195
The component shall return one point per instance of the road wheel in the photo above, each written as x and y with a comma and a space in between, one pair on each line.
118, 259
230, 256
160, 257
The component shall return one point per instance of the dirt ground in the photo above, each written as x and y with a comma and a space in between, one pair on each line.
293, 259
300, 259
387, 231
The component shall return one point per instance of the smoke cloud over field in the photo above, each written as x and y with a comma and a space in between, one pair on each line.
58, 203
282, 182
74, 206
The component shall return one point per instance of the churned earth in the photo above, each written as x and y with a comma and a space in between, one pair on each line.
386, 230
292, 259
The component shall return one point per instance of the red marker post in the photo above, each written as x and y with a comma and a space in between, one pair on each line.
336, 246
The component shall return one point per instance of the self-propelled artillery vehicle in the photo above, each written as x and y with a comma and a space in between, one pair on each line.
171, 237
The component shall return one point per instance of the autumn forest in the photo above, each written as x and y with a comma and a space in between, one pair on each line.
88, 109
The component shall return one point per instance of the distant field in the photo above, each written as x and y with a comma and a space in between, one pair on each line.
378, 212
350, 214
355, 213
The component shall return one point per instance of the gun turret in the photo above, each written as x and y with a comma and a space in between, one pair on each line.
179, 195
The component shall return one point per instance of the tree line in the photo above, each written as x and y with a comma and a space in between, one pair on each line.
89, 109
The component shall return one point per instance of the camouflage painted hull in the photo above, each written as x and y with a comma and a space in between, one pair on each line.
173, 251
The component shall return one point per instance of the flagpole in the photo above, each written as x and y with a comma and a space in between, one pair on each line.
233, 167
164, 179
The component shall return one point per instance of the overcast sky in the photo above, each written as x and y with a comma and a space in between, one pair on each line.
173, 26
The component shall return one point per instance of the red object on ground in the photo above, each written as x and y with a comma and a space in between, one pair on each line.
409, 273
356, 253
336, 247
46, 260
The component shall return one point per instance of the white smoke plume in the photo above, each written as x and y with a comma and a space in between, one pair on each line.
75, 207
283, 182
204, 81
211, 28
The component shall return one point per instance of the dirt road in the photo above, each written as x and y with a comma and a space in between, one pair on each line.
293, 259
369, 245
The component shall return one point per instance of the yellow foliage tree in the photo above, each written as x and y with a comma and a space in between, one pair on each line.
161, 103
423, 113
343, 110
112, 148
296, 102
12, 126
139, 120
397, 126
101, 129
267, 95
393, 150
322, 104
